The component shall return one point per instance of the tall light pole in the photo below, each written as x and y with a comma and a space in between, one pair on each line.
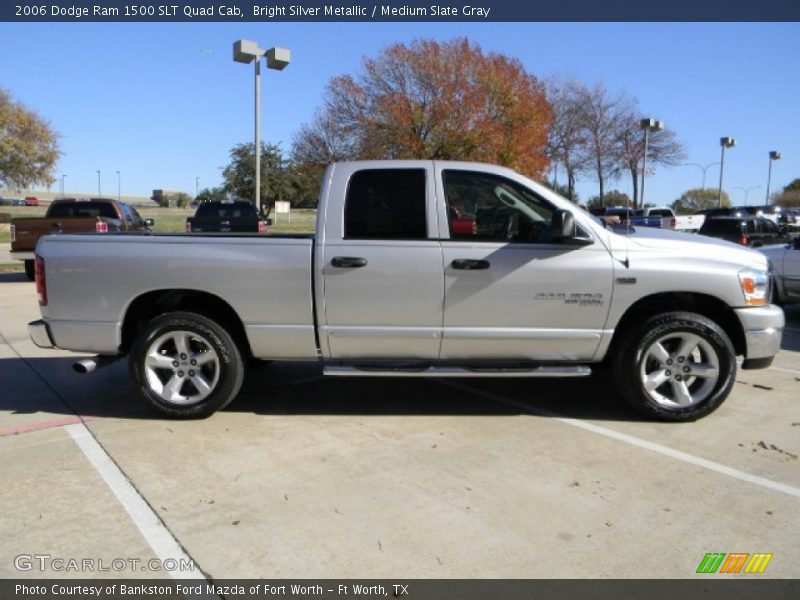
63, 177
773, 155
119, 187
702, 168
245, 51
647, 125
196, 186
99, 193
747, 191
725, 142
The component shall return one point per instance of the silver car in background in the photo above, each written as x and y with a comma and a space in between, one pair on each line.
785, 259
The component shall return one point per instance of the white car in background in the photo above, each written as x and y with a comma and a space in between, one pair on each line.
785, 259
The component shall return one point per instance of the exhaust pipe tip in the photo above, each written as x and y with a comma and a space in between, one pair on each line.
84, 366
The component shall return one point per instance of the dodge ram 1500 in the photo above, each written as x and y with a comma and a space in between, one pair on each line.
390, 286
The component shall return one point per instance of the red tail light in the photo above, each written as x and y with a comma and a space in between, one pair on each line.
672, 223
475, 227
41, 284
743, 239
101, 227
262, 227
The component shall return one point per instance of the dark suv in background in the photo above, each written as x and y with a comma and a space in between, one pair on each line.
745, 230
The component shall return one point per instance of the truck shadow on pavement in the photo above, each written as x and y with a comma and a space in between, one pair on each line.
49, 385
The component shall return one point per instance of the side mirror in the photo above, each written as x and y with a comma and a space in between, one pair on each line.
149, 222
564, 229
563, 225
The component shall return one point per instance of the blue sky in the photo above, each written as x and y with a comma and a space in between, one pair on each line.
164, 103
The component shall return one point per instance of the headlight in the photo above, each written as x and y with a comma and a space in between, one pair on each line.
755, 286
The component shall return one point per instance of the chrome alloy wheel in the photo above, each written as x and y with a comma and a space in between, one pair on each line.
181, 367
679, 369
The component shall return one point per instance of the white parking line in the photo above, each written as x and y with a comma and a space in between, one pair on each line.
635, 441
782, 370
165, 546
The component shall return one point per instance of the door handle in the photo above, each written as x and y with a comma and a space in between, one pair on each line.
469, 264
348, 262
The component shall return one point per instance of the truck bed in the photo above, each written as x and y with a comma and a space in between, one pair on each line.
266, 280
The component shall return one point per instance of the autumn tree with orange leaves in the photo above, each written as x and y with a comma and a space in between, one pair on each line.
431, 100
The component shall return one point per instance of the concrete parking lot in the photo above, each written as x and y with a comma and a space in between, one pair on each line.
310, 477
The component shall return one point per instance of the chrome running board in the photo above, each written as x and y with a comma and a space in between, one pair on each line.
541, 371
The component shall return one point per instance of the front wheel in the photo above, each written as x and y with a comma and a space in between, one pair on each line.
678, 366
185, 365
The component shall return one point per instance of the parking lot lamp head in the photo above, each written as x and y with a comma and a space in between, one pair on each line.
246, 51
773, 155
724, 142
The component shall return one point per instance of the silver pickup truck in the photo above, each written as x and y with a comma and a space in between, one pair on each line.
417, 269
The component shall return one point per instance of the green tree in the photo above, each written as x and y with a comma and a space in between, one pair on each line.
611, 198
28, 146
699, 199
183, 199
277, 173
789, 197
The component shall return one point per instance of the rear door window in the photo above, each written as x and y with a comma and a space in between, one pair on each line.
386, 204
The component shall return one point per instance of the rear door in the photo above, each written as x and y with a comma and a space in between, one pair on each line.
511, 291
381, 263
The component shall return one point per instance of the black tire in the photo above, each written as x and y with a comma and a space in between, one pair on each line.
637, 359
211, 358
30, 269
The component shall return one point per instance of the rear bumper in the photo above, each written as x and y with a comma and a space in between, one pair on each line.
763, 330
40, 334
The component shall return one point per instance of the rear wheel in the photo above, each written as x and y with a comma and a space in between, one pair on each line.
30, 269
678, 366
186, 365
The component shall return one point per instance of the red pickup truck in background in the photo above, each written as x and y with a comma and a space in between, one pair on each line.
69, 215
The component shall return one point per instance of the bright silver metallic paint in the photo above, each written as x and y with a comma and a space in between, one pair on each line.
786, 262
406, 302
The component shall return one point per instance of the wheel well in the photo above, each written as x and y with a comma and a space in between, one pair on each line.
152, 304
703, 304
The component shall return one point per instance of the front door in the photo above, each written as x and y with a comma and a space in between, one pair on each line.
511, 291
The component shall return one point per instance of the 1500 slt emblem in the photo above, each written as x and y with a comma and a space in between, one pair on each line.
572, 298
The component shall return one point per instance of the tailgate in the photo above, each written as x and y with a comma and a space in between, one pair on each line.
26, 232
